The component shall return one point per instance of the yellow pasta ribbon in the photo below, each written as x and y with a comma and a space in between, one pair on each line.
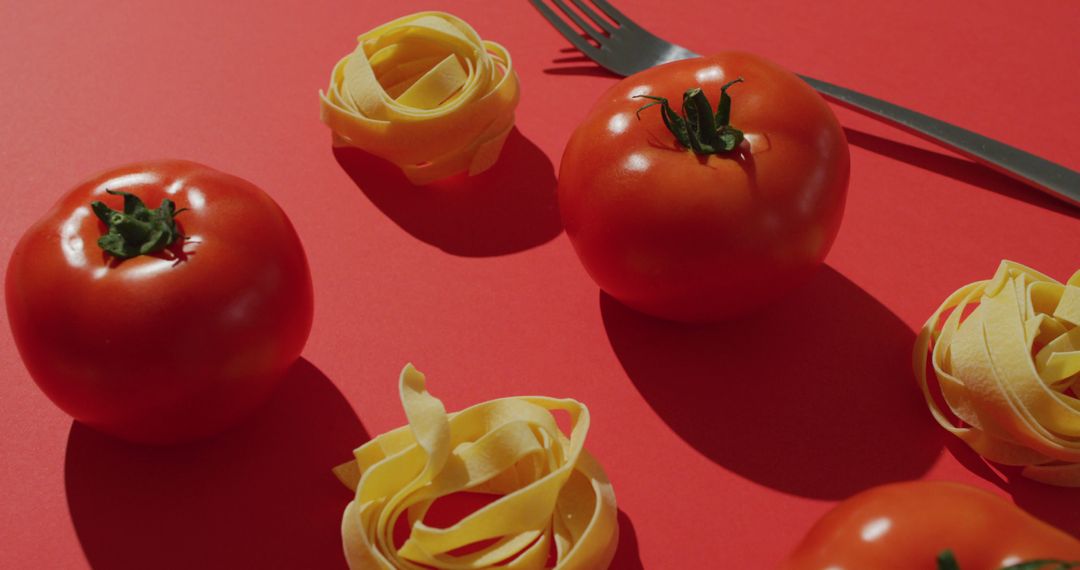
552, 492
426, 93
1007, 359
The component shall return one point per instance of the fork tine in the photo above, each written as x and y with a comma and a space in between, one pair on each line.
600, 21
612, 12
563, 28
581, 23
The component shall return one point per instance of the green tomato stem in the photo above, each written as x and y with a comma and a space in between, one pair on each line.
137, 230
947, 561
697, 128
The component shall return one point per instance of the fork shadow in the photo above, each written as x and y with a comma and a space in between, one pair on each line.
959, 169
592, 70
573, 56
813, 396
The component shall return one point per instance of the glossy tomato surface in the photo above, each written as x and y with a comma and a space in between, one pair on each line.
170, 346
905, 526
701, 237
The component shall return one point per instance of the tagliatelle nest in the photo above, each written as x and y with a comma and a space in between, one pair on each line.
1007, 359
553, 496
426, 93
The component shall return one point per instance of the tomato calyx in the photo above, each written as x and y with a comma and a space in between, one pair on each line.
698, 128
947, 561
137, 230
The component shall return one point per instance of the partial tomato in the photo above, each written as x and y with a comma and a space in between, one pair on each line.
932, 525
189, 320
730, 214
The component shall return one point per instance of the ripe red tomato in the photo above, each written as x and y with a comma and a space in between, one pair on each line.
910, 526
175, 344
699, 237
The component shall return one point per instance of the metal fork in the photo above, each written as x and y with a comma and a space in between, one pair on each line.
626, 48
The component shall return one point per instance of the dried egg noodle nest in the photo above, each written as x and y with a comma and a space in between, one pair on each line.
1006, 370
552, 490
426, 93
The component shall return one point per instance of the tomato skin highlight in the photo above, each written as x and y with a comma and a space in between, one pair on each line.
702, 238
172, 346
905, 526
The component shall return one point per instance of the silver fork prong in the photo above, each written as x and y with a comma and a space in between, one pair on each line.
567, 32
612, 12
581, 23
600, 20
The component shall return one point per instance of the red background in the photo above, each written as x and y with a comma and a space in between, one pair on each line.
724, 443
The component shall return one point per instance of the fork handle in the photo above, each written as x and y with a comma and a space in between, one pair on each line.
1052, 178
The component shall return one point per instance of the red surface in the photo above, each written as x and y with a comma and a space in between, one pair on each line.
724, 443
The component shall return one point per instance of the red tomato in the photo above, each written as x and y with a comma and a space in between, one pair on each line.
699, 237
907, 526
173, 345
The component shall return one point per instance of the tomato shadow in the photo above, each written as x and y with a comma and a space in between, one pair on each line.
259, 496
1055, 505
509, 208
813, 396
959, 169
